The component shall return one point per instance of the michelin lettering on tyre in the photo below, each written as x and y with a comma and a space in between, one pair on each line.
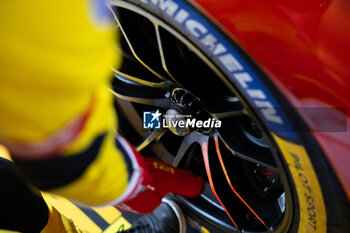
229, 59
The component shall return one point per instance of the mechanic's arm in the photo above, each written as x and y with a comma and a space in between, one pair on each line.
57, 116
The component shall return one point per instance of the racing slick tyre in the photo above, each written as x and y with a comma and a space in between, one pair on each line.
264, 171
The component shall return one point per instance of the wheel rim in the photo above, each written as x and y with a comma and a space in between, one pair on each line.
241, 146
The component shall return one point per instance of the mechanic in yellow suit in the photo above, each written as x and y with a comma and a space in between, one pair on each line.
58, 121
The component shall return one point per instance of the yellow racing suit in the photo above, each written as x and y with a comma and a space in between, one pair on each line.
57, 117
55, 67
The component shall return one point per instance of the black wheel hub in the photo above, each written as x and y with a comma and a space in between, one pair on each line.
185, 108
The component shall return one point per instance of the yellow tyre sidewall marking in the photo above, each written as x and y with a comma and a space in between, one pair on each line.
312, 209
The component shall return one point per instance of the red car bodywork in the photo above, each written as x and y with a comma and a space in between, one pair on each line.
305, 48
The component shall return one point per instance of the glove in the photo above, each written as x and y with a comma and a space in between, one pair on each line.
157, 180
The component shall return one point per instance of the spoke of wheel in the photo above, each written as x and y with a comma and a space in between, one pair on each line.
126, 55
249, 158
133, 51
161, 52
204, 146
162, 85
158, 102
155, 134
221, 115
186, 143
230, 184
